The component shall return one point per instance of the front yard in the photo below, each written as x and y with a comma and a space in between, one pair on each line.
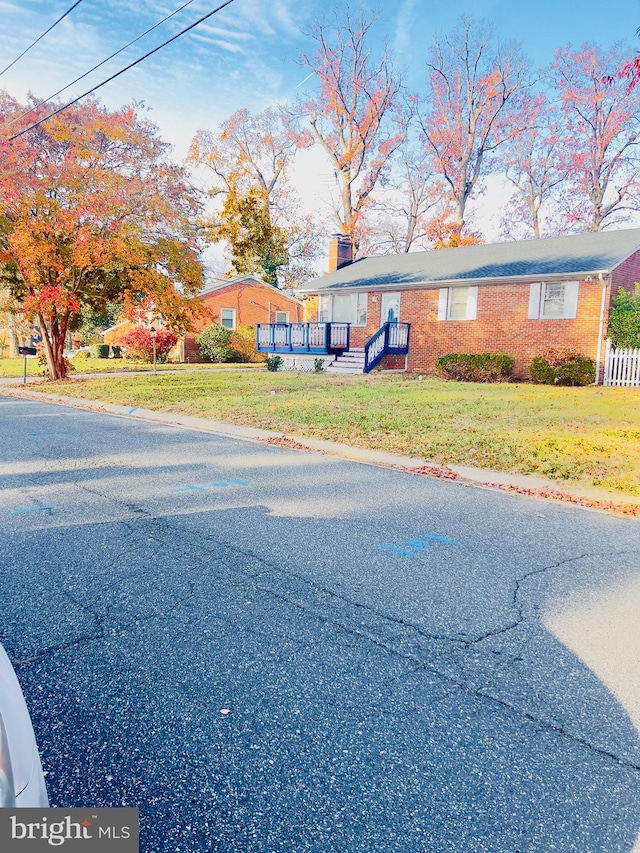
10, 367
589, 436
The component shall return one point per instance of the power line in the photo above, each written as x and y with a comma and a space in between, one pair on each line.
118, 73
99, 65
33, 43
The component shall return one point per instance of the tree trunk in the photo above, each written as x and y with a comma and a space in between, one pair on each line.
53, 342
14, 343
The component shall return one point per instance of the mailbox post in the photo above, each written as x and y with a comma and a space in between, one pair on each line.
154, 333
25, 351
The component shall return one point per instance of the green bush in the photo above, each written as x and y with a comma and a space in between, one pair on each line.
243, 344
214, 343
562, 367
475, 367
116, 350
624, 321
100, 350
274, 362
85, 353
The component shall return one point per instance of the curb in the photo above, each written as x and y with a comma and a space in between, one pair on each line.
523, 484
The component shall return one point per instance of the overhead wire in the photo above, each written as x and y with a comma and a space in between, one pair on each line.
122, 71
99, 65
34, 43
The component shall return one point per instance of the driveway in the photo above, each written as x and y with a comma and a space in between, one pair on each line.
272, 650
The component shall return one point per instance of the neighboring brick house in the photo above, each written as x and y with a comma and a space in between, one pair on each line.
242, 301
520, 298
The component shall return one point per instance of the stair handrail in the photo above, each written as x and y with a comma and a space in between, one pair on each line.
378, 346
374, 349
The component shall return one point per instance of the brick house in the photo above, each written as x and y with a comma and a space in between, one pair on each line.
405, 311
242, 301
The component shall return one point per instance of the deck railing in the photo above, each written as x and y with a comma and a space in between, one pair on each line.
303, 337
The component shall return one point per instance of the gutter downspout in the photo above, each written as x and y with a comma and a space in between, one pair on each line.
603, 305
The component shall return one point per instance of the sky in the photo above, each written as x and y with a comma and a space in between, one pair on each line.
248, 54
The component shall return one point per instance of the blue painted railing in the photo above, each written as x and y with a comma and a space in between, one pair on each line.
303, 337
390, 339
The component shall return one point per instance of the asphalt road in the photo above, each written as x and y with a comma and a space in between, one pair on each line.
275, 651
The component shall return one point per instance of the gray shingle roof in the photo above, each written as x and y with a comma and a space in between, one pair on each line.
588, 254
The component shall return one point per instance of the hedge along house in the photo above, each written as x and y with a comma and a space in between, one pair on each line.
522, 298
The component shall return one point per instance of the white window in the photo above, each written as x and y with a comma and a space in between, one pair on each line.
343, 308
282, 316
228, 317
458, 303
553, 300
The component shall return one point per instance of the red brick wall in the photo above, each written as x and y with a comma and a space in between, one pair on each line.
502, 325
626, 275
251, 304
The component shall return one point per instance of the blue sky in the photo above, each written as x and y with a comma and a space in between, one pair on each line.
247, 55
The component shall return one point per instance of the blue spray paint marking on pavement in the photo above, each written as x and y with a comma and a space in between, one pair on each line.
50, 432
189, 489
32, 509
417, 545
397, 550
218, 485
441, 539
240, 482
131, 411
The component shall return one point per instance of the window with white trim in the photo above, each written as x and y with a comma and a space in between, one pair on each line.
458, 303
553, 300
343, 308
228, 317
282, 316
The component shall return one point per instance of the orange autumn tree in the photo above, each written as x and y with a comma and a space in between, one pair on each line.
95, 212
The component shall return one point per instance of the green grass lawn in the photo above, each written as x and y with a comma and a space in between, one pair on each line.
573, 435
10, 367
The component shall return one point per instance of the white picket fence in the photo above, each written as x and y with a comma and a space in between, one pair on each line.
621, 366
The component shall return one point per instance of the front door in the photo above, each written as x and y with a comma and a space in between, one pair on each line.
390, 308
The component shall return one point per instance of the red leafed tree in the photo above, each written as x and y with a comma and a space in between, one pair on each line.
94, 212
536, 162
472, 105
602, 124
355, 117
139, 343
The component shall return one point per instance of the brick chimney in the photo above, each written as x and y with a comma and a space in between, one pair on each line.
340, 252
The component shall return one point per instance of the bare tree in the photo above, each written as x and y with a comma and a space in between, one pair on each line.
602, 118
535, 162
472, 106
399, 220
352, 116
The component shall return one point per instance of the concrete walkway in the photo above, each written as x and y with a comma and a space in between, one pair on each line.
589, 496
